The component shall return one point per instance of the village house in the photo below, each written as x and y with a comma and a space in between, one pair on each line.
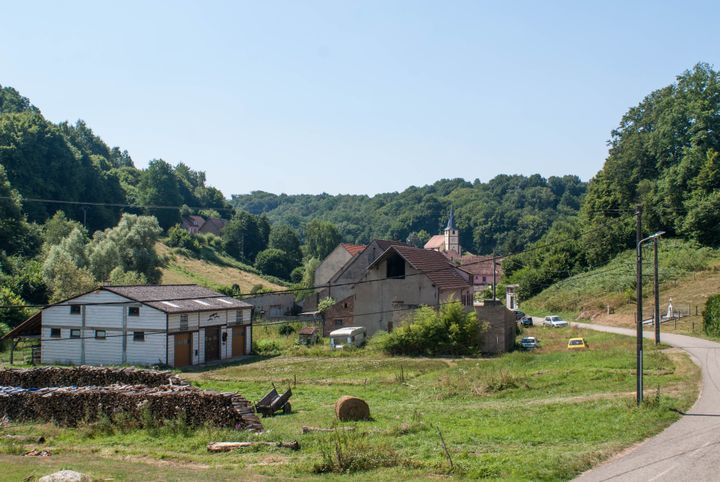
174, 325
404, 278
195, 224
272, 305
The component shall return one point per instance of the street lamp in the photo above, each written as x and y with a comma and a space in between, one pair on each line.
639, 296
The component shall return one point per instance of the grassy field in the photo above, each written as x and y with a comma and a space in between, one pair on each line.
544, 415
211, 270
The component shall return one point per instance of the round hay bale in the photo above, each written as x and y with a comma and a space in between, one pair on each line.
349, 408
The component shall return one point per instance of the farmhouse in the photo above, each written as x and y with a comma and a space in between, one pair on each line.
176, 325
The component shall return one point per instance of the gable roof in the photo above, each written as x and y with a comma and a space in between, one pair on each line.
177, 298
193, 220
382, 245
385, 244
480, 264
28, 328
436, 242
353, 249
432, 264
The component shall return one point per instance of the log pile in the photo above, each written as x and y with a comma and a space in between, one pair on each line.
85, 376
70, 405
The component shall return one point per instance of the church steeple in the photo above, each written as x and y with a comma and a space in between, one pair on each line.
451, 221
452, 237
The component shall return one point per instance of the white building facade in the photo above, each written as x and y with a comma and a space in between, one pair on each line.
175, 325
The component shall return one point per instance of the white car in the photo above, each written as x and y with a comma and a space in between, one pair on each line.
554, 321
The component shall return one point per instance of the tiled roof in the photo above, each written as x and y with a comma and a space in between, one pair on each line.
353, 249
437, 241
480, 264
178, 298
385, 244
432, 264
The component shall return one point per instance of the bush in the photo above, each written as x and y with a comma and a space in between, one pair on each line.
350, 452
451, 331
266, 348
711, 316
286, 330
179, 237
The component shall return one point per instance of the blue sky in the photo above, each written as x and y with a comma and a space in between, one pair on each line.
353, 96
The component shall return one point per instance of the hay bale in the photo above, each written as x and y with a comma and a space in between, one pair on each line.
349, 408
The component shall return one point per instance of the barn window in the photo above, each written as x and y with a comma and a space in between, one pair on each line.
134, 311
75, 333
238, 316
74, 309
338, 322
396, 267
100, 334
184, 321
138, 336
55, 333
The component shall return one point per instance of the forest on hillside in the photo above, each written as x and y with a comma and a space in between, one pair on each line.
75, 212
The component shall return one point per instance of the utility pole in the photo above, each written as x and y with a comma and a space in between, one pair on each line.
84, 210
657, 294
639, 297
494, 278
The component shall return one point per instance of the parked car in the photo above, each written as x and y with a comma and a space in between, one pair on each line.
555, 321
526, 321
577, 344
529, 343
518, 314
350, 335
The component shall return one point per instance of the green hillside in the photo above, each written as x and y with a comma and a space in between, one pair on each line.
689, 273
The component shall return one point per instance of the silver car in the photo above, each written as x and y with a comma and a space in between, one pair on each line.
555, 321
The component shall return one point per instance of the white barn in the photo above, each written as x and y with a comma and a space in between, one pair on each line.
175, 325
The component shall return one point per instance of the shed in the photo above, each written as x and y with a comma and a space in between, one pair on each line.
308, 335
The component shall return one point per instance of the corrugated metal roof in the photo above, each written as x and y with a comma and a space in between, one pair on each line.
178, 298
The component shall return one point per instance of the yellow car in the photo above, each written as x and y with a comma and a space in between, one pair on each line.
577, 344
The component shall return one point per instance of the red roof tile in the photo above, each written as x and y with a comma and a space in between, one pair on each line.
432, 264
353, 249
437, 241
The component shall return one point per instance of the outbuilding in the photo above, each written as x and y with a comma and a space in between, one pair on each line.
174, 325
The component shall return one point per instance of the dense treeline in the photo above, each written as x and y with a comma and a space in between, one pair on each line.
503, 215
663, 156
69, 162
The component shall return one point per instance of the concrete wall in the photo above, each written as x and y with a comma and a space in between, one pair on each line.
274, 305
331, 265
501, 326
382, 304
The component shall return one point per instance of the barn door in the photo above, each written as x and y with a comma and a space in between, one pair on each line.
183, 349
212, 343
238, 340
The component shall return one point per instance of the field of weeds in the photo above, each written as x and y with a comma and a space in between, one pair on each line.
543, 415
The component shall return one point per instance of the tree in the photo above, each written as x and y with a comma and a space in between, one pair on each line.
159, 187
284, 238
15, 235
12, 310
242, 237
321, 237
64, 278
57, 228
274, 262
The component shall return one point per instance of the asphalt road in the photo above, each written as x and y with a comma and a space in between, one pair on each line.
689, 449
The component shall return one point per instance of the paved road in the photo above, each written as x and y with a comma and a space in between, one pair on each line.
689, 449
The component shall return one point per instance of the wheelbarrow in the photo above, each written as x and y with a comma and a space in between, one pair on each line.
273, 402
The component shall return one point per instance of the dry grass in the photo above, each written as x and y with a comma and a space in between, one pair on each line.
182, 269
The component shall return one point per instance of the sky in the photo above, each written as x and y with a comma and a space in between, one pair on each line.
355, 97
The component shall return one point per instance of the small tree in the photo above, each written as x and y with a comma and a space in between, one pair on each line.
711, 316
449, 331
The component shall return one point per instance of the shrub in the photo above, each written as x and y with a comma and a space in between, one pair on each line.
350, 452
711, 315
266, 348
286, 329
179, 237
449, 331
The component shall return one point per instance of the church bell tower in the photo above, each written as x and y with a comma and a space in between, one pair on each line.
452, 237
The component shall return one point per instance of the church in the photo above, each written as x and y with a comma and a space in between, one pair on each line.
447, 243
480, 267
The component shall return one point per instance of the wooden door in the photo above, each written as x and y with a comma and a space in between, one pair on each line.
238, 340
212, 343
183, 349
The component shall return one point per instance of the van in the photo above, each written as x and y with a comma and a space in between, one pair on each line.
350, 335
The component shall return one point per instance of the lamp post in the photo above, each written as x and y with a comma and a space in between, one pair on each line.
639, 295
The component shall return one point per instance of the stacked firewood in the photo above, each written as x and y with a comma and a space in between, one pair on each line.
72, 405
85, 376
